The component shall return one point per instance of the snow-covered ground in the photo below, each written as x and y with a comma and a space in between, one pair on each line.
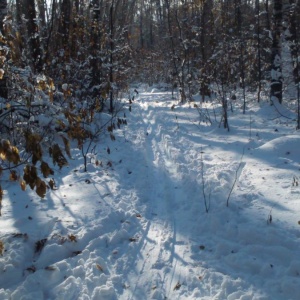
135, 225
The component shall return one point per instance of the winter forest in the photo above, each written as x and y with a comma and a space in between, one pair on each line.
76, 57
149, 149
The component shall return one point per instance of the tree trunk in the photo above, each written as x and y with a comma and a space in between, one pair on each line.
268, 23
33, 38
3, 12
259, 71
111, 78
294, 26
95, 61
141, 25
206, 28
64, 25
3, 81
276, 72
42, 20
177, 63
50, 31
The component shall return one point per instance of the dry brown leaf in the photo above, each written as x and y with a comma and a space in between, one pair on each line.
72, 238
20, 235
1, 248
3, 155
58, 157
15, 157
41, 188
99, 268
6, 150
67, 146
23, 185
31, 269
177, 286
30, 176
50, 268
52, 184
13, 176
37, 154
46, 170
133, 239
39, 245
5, 145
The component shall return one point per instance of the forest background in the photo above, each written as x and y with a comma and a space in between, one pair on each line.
64, 63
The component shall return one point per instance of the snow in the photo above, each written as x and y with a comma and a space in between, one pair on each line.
136, 227
65, 87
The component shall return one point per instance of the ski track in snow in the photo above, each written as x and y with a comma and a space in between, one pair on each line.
143, 232
161, 242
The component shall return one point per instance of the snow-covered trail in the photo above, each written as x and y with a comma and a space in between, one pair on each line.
157, 258
135, 226
165, 241
184, 253
166, 262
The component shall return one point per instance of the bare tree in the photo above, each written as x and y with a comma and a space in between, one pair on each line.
294, 27
42, 24
65, 21
3, 81
258, 37
276, 72
33, 38
111, 59
95, 47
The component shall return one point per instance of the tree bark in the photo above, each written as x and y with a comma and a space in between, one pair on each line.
65, 21
111, 78
259, 64
42, 20
294, 26
94, 48
3, 80
33, 37
276, 72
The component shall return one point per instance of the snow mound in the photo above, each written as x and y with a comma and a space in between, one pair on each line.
286, 145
